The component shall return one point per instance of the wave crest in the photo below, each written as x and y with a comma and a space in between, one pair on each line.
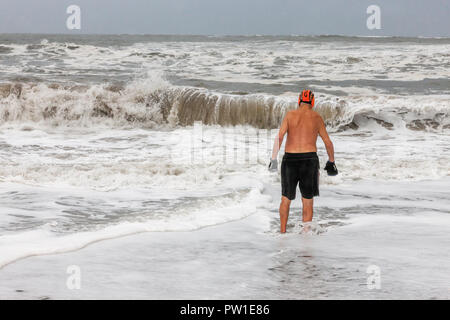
156, 103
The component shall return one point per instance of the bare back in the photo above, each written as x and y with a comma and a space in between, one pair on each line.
303, 128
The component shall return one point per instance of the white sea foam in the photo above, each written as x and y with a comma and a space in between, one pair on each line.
102, 140
47, 240
260, 60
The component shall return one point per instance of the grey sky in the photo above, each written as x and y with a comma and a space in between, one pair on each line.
273, 17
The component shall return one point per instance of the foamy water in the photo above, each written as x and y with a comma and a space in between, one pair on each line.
105, 137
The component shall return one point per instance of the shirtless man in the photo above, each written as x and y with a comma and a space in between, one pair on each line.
300, 163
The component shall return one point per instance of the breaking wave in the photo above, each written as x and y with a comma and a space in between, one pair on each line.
156, 103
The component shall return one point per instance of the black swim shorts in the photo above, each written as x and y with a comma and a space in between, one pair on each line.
302, 169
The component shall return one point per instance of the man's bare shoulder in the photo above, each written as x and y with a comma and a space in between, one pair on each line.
315, 113
317, 116
289, 114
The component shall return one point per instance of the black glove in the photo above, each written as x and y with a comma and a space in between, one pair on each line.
273, 165
331, 169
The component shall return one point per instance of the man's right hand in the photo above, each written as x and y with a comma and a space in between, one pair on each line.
273, 165
331, 169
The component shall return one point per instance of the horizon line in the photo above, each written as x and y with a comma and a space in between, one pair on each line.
75, 33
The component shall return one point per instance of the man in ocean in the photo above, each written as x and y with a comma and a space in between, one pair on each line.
300, 163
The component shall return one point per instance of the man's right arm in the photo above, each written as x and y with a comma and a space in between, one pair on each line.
326, 139
273, 166
280, 136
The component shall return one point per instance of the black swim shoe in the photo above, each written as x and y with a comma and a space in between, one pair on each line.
331, 169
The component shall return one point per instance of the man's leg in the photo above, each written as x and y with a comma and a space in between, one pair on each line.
284, 213
307, 209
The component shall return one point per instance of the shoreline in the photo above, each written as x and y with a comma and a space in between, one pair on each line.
248, 259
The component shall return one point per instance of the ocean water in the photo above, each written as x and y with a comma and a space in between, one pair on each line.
107, 136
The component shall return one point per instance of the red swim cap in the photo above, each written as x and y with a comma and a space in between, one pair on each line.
307, 96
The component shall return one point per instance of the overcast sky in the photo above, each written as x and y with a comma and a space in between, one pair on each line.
231, 17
